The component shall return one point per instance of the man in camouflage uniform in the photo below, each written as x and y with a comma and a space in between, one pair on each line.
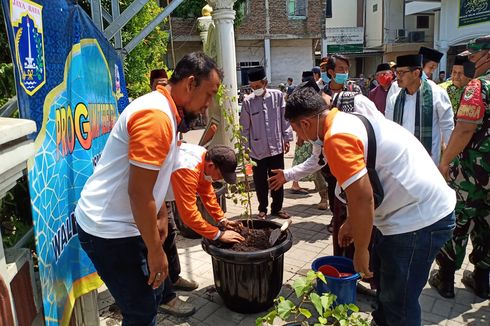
469, 150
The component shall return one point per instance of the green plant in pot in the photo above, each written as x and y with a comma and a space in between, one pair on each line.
247, 279
286, 312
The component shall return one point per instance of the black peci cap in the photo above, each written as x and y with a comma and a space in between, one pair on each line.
225, 160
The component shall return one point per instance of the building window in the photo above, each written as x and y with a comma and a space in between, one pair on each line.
375, 7
422, 22
297, 8
328, 9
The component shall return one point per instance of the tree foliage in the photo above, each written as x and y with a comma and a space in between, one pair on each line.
149, 54
192, 9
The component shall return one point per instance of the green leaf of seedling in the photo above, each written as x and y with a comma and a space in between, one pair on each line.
321, 276
353, 307
317, 302
323, 321
305, 312
343, 322
310, 276
299, 286
284, 309
327, 301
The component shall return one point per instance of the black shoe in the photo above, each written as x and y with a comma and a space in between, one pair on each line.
478, 282
444, 284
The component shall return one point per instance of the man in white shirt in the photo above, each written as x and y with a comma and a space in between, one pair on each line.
421, 107
121, 216
413, 221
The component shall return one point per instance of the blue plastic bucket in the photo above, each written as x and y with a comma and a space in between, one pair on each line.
344, 288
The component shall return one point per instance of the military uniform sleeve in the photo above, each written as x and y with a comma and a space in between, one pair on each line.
472, 106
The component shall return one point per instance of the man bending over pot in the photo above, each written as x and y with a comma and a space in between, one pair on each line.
194, 172
413, 219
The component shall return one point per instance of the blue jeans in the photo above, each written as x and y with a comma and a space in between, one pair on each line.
401, 265
122, 265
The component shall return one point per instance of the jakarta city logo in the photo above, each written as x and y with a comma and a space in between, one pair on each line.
27, 24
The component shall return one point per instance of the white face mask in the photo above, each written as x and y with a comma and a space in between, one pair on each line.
317, 141
208, 178
259, 92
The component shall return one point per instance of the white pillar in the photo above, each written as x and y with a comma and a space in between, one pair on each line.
267, 59
223, 17
203, 24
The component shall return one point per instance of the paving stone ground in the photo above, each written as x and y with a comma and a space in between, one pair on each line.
310, 240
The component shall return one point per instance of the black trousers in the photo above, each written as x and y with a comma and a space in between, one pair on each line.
261, 173
170, 248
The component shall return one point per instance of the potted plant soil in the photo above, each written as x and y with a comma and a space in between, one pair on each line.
248, 275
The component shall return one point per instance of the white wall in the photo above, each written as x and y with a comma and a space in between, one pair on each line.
344, 14
450, 32
411, 26
374, 23
289, 59
393, 19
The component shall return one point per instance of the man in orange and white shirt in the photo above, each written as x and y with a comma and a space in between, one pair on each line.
121, 217
413, 221
194, 172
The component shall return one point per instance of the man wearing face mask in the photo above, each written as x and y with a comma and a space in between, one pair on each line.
121, 217
469, 176
268, 135
430, 61
193, 173
413, 221
421, 106
378, 95
337, 69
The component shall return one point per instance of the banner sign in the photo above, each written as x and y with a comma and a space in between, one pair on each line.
70, 82
345, 35
473, 12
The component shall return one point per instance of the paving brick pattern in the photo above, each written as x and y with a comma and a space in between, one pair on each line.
310, 240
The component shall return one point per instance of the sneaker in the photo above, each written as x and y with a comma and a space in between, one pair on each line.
185, 285
178, 308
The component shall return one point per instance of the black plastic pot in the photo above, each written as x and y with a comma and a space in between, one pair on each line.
248, 282
186, 231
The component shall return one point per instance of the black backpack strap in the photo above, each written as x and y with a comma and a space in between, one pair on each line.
371, 156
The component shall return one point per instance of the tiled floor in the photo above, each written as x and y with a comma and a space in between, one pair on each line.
310, 240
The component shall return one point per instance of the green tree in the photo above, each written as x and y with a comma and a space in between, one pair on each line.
192, 9
7, 83
149, 54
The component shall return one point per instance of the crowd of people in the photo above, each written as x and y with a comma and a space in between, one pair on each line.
405, 173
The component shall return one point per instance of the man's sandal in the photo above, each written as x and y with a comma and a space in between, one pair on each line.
261, 215
281, 214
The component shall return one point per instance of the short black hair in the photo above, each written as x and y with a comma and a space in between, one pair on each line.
195, 64
332, 62
442, 72
304, 102
290, 79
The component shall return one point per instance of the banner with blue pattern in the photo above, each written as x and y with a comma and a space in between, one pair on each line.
70, 82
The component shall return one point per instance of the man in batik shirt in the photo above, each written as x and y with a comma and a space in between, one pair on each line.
459, 80
469, 147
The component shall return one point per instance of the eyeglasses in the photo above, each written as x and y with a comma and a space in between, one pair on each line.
400, 73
